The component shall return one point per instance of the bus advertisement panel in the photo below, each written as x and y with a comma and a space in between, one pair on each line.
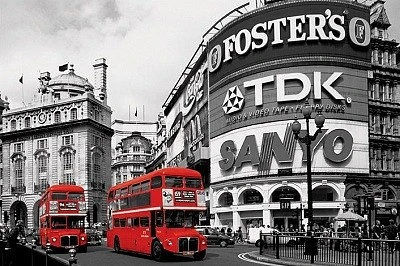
156, 214
62, 213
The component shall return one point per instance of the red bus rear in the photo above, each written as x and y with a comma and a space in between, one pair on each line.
155, 214
62, 213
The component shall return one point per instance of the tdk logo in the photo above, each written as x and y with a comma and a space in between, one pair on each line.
234, 100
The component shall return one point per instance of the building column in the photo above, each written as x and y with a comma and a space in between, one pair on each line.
236, 221
266, 216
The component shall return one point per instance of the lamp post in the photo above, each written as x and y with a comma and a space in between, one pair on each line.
307, 140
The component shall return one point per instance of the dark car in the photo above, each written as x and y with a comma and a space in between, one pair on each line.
216, 238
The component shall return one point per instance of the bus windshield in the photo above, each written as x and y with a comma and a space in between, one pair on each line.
180, 218
72, 222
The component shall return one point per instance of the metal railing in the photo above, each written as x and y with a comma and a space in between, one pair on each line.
330, 250
29, 254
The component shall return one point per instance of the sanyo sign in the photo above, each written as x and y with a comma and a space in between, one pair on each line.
306, 28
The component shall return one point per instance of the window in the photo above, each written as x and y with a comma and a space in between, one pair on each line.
390, 92
97, 141
42, 144
67, 161
68, 179
57, 117
96, 167
42, 164
19, 172
144, 221
381, 91
96, 115
171, 181
135, 148
371, 90
193, 183
68, 140
18, 147
156, 182
27, 122
74, 114
380, 57
13, 124
145, 186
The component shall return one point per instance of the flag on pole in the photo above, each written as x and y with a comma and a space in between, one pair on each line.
136, 112
62, 68
21, 79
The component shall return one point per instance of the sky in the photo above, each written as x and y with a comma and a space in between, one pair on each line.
146, 43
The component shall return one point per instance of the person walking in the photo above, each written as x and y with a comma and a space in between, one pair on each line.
391, 233
239, 235
13, 238
376, 233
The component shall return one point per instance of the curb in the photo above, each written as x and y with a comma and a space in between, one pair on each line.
254, 255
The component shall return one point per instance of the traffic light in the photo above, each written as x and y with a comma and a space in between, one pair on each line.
370, 203
6, 217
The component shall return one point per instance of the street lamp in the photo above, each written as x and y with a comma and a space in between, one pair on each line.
307, 139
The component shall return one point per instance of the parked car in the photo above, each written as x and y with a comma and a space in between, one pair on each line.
214, 237
254, 237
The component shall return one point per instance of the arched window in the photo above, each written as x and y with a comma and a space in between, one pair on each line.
27, 122
97, 171
19, 174
225, 199
68, 167
74, 114
251, 196
57, 117
42, 172
13, 124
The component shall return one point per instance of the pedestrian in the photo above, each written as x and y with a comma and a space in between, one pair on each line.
229, 231
377, 233
13, 238
391, 233
240, 235
222, 231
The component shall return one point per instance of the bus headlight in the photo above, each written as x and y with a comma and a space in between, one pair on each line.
82, 238
169, 242
54, 239
203, 242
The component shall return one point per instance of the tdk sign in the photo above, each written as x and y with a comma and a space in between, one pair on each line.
234, 99
308, 29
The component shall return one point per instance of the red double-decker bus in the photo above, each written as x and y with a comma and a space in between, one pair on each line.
62, 213
155, 214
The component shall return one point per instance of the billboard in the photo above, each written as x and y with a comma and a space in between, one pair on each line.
265, 65
292, 33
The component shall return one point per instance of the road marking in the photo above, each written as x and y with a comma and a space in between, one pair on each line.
242, 256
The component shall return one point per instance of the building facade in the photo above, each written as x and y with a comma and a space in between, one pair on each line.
131, 157
261, 69
62, 137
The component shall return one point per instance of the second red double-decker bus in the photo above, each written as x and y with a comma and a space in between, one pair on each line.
62, 213
155, 214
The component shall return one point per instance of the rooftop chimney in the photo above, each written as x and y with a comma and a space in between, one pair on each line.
100, 79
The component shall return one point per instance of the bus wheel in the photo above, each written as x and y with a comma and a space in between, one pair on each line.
199, 255
157, 251
117, 247
223, 243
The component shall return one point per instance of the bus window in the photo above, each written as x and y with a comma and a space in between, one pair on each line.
145, 185
156, 182
159, 219
117, 193
171, 181
124, 192
144, 221
135, 222
58, 223
135, 188
122, 222
116, 222
76, 196
76, 222
129, 222
59, 196
174, 219
192, 183
111, 195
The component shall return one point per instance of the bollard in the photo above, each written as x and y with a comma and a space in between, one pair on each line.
72, 256
33, 246
48, 249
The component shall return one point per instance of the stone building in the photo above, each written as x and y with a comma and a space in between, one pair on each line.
62, 136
